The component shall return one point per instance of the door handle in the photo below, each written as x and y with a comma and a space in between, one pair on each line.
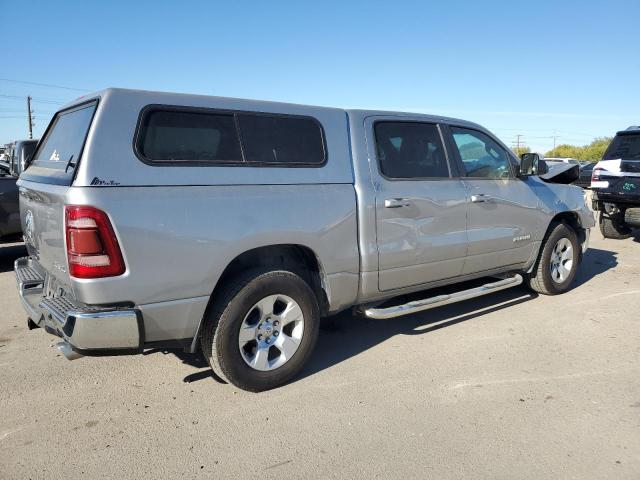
396, 202
481, 198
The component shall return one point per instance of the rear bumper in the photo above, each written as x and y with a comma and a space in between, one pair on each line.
87, 329
617, 198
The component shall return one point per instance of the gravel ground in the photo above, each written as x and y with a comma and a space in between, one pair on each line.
506, 386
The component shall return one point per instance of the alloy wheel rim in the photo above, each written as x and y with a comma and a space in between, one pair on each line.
271, 332
561, 262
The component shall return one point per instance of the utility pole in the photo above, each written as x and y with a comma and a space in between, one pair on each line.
518, 143
555, 137
30, 113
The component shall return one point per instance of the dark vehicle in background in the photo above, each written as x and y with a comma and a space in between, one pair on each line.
615, 182
17, 157
584, 180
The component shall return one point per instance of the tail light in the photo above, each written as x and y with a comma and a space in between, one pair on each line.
595, 174
92, 246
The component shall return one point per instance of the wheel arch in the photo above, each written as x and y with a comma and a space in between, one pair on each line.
297, 258
571, 219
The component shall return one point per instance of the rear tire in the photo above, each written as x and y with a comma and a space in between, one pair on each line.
613, 226
557, 263
275, 353
632, 217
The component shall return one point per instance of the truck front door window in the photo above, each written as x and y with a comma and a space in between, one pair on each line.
481, 156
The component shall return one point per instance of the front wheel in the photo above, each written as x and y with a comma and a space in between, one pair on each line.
558, 262
262, 329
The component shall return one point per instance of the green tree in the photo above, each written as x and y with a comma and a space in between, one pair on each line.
591, 152
595, 150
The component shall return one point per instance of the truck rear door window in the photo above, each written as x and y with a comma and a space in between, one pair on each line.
60, 150
173, 135
410, 150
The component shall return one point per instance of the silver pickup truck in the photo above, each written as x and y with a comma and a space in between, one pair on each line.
232, 226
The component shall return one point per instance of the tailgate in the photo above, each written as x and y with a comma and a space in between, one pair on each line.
42, 212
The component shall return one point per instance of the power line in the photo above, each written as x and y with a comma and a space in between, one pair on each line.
39, 100
49, 85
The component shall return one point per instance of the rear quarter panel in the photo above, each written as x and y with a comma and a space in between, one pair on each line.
177, 241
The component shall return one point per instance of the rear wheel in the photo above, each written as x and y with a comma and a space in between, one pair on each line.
613, 226
632, 217
558, 262
261, 331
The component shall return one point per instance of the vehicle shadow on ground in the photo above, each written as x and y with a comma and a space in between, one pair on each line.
594, 263
346, 335
10, 253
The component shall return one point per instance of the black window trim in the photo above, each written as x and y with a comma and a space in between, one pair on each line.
147, 109
456, 153
57, 180
411, 120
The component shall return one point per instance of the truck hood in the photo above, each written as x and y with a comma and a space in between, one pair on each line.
564, 173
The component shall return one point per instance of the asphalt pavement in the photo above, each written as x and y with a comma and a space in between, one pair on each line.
511, 385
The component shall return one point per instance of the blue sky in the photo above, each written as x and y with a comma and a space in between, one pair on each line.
535, 68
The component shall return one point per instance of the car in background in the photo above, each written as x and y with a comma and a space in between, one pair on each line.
17, 157
19, 153
561, 160
584, 180
615, 182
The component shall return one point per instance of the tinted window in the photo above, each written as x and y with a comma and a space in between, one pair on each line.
64, 139
481, 156
27, 151
624, 146
410, 150
281, 139
25, 157
172, 135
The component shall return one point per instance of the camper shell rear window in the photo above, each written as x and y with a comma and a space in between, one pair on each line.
60, 149
168, 135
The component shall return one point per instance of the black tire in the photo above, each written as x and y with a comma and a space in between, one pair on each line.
632, 217
541, 280
612, 226
220, 334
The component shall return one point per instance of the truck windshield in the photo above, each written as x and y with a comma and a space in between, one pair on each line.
60, 150
625, 146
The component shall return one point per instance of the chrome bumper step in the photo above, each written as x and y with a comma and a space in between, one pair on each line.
84, 329
440, 300
28, 277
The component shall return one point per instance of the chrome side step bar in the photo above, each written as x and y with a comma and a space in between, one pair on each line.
440, 300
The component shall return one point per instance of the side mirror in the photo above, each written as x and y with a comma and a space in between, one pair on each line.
531, 164
5, 168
